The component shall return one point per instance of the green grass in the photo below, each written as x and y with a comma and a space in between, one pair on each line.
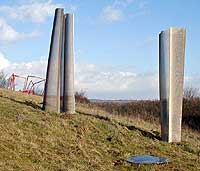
31, 139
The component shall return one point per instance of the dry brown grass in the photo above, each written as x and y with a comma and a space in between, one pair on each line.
149, 110
92, 139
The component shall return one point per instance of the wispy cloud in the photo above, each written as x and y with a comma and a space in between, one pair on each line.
192, 81
112, 14
122, 3
117, 11
36, 11
72, 8
9, 34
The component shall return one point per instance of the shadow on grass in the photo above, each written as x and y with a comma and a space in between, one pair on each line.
129, 127
27, 103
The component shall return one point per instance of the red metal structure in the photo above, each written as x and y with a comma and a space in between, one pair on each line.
29, 86
12, 80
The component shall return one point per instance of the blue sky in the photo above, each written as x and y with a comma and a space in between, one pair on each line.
116, 43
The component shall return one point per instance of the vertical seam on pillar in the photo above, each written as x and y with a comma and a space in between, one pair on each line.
59, 62
169, 97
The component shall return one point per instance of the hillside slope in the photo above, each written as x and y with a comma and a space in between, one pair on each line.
31, 139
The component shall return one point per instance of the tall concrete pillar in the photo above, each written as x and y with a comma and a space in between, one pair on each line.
171, 74
62, 69
69, 99
52, 87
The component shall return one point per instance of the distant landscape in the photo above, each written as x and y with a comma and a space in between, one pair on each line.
149, 110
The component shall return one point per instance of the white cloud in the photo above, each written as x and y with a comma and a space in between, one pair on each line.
35, 67
73, 8
100, 81
9, 34
114, 82
122, 3
118, 10
112, 14
36, 11
192, 81
4, 63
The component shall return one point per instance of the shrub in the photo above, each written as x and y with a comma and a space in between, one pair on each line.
149, 110
191, 113
3, 80
80, 97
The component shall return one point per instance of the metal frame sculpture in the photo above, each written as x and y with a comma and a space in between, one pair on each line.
29, 86
12, 80
59, 87
171, 74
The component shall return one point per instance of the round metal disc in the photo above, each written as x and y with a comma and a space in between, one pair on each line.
147, 159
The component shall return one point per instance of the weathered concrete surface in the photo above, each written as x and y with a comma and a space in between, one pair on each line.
52, 87
62, 70
171, 74
69, 99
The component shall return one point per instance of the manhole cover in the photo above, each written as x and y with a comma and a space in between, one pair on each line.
147, 159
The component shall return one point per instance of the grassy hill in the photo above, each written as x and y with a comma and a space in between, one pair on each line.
31, 139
